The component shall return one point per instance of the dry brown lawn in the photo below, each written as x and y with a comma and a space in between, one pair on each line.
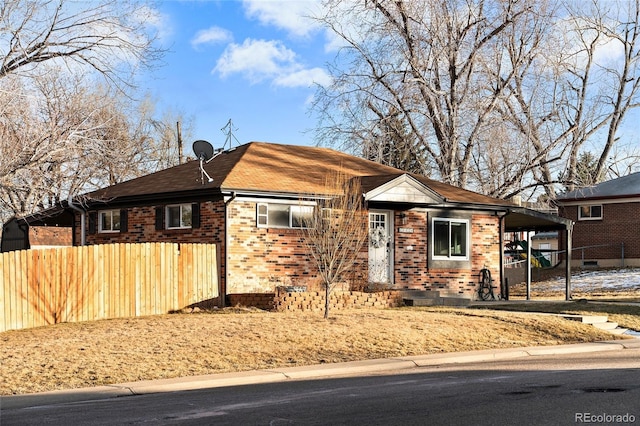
74, 355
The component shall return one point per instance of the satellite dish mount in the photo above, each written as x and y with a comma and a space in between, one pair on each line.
205, 153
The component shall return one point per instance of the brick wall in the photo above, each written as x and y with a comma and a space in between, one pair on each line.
620, 224
260, 259
141, 227
411, 267
314, 301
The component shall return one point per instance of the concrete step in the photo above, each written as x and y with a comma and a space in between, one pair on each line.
606, 325
587, 319
456, 301
421, 301
599, 321
436, 301
618, 330
423, 294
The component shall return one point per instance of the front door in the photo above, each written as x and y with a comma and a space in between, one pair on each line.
380, 247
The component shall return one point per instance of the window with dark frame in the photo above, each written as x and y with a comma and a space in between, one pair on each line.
450, 239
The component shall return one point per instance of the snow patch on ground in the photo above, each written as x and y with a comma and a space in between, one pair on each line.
622, 279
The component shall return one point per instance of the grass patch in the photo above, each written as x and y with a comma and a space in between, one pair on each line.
74, 355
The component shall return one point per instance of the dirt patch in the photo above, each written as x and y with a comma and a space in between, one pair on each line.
77, 355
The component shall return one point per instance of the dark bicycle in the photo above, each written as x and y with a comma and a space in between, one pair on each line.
486, 285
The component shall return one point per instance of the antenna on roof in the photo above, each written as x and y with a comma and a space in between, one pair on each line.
205, 153
228, 130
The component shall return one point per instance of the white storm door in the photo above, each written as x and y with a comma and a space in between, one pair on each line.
380, 247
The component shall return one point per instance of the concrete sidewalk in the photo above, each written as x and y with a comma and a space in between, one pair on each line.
399, 364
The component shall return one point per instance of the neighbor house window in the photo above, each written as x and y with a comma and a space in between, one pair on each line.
178, 216
109, 221
283, 215
590, 212
450, 239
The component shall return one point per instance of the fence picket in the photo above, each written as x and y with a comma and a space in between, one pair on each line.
71, 284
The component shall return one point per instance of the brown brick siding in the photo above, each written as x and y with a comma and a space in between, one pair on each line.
620, 224
141, 228
261, 259
411, 267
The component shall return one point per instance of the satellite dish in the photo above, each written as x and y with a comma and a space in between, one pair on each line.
205, 153
203, 150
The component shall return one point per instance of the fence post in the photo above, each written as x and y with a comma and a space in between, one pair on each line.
622, 254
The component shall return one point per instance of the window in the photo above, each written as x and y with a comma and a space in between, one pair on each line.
590, 212
109, 221
301, 215
283, 215
450, 239
178, 216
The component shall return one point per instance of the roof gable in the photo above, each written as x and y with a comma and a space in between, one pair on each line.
403, 189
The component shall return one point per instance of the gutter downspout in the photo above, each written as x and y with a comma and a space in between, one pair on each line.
83, 214
567, 266
223, 288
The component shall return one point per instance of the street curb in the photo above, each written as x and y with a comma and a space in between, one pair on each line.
302, 372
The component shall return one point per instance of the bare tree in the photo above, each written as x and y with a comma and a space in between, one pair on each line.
68, 119
501, 96
592, 86
335, 231
427, 60
69, 138
109, 37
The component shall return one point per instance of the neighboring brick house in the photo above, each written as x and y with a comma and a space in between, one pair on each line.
429, 235
607, 222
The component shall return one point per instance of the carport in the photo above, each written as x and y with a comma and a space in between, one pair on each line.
521, 219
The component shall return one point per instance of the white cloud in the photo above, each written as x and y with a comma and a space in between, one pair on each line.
156, 20
304, 78
291, 16
259, 60
211, 36
255, 59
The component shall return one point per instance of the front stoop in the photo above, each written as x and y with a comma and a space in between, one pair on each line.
434, 298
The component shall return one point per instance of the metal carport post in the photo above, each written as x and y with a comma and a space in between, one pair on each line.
527, 220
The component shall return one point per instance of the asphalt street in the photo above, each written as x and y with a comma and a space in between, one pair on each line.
570, 384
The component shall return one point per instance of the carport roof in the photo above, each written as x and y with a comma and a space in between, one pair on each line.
523, 219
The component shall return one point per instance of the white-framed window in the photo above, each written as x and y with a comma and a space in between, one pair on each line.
590, 212
109, 221
277, 215
178, 216
450, 239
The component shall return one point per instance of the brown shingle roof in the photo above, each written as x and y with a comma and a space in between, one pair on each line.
267, 167
295, 169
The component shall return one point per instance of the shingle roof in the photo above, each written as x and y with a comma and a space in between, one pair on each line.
623, 187
276, 168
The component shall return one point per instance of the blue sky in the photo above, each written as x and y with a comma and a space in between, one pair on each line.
254, 62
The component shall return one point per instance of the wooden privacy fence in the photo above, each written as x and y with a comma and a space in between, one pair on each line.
41, 287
